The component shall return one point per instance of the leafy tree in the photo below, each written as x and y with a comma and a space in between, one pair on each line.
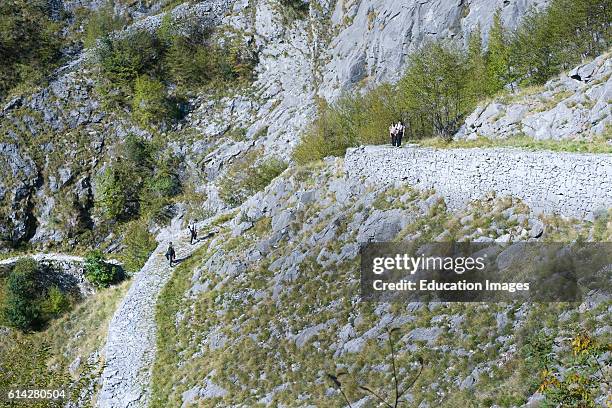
434, 91
560, 37
189, 62
140, 181
497, 57
98, 272
476, 65
122, 61
22, 309
140, 152
118, 191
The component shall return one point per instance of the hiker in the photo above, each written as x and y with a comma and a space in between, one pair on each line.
401, 129
170, 254
193, 232
392, 133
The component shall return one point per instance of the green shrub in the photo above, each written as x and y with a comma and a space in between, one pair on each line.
246, 177
195, 59
98, 272
140, 182
135, 70
118, 191
150, 104
121, 61
298, 8
55, 303
100, 23
139, 244
21, 308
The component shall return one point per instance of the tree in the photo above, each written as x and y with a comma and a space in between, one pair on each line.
435, 95
560, 37
118, 191
98, 272
29, 43
122, 61
497, 57
476, 65
22, 309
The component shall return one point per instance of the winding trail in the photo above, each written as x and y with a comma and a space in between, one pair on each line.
131, 343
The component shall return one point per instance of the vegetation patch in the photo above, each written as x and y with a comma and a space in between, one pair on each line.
41, 360
98, 271
443, 83
25, 303
247, 176
593, 145
29, 43
152, 73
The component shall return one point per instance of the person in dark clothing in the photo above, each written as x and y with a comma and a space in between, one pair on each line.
401, 129
170, 254
193, 232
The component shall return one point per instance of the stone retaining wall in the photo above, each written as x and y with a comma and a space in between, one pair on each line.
571, 184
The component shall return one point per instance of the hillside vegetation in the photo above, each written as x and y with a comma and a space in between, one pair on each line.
268, 311
29, 44
444, 82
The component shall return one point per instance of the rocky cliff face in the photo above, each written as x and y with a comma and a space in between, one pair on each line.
49, 197
373, 37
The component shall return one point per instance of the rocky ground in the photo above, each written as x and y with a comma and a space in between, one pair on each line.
271, 304
263, 309
574, 106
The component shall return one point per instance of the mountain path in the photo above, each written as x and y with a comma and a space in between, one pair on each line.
131, 342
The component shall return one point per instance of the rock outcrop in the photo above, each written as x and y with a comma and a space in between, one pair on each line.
574, 106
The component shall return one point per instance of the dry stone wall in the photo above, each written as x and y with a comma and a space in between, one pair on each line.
570, 184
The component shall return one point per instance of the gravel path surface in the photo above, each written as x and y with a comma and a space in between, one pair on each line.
131, 342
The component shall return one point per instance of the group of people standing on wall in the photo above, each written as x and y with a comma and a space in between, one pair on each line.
396, 132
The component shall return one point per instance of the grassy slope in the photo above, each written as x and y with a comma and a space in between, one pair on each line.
257, 356
595, 145
42, 359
